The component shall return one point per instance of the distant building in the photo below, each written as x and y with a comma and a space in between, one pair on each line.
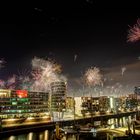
90, 105
114, 104
131, 102
70, 103
93, 105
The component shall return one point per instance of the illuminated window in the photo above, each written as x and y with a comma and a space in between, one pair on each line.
14, 103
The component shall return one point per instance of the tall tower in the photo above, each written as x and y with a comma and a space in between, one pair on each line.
58, 98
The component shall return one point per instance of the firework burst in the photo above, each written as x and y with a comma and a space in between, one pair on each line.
44, 72
93, 77
38, 63
11, 82
36, 74
134, 32
24, 80
2, 83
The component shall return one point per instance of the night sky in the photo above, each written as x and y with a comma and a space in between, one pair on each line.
98, 36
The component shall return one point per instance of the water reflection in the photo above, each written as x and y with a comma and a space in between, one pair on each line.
30, 136
46, 135
12, 138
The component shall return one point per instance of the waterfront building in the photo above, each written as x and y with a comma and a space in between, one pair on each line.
23, 104
70, 108
58, 99
70, 103
114, 104
90, 105
78, 106
94, 105
103, 104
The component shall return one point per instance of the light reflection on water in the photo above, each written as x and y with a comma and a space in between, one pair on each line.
29, 136
36, 136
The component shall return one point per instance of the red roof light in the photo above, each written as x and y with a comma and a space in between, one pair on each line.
22, 93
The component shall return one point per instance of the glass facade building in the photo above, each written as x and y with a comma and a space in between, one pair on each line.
58, 96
